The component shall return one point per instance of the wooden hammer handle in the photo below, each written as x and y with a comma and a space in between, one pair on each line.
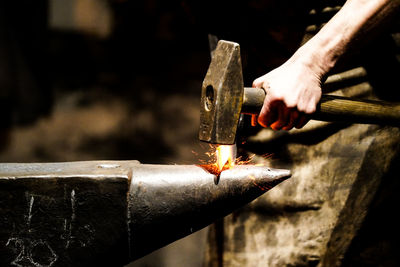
335, 108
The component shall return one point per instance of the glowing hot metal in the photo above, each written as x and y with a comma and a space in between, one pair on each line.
226, 156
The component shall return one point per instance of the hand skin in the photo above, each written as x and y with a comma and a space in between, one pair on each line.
294, 89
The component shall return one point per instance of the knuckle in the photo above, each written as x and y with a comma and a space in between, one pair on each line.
290, 103
275, 96
310, 109
301, 108
258, 82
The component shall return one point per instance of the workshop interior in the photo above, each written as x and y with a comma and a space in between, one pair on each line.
127, 138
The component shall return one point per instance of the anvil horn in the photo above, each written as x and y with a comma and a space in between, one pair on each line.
109, 213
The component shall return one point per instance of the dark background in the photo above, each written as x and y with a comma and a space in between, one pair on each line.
121, 79
116, 80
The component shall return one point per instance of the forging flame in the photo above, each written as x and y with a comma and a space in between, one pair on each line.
226, 156
223, 157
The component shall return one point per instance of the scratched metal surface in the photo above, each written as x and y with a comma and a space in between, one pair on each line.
62, 222
60, 169
109, 213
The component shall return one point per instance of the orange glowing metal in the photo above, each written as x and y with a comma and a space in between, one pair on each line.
223, 157
226, 156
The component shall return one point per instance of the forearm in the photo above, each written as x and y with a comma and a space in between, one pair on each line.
354, 23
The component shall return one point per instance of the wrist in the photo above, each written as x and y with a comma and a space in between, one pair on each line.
314, 58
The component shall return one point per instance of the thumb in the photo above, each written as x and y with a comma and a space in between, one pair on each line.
258, 83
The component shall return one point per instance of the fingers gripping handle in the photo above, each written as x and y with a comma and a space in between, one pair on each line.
335, 108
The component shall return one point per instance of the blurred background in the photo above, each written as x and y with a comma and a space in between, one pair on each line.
97, 79
121, 80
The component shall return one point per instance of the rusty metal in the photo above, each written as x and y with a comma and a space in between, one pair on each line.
109, 213
222, 95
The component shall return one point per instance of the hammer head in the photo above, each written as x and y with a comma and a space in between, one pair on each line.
222, 95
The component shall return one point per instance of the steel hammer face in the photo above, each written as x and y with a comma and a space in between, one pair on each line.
222, 95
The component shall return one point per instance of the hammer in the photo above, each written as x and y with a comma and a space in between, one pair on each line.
224, 98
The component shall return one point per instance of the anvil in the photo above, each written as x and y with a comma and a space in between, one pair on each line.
108, 213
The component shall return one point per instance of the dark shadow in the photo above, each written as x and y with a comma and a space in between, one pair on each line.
377, 241
310, 137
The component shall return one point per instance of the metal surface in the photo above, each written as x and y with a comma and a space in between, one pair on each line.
222, 95
109, 213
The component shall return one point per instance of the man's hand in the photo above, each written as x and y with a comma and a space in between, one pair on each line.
292, 93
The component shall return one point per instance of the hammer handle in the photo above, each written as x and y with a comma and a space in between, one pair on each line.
335, 108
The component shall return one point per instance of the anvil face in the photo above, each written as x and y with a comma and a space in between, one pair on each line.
222, 95
109, 213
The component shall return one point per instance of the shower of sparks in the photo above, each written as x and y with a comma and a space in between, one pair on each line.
221, 158
226, 156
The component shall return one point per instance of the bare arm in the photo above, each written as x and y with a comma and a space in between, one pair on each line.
294, 88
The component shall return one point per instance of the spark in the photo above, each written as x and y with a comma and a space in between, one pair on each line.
222, 157
226, 156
